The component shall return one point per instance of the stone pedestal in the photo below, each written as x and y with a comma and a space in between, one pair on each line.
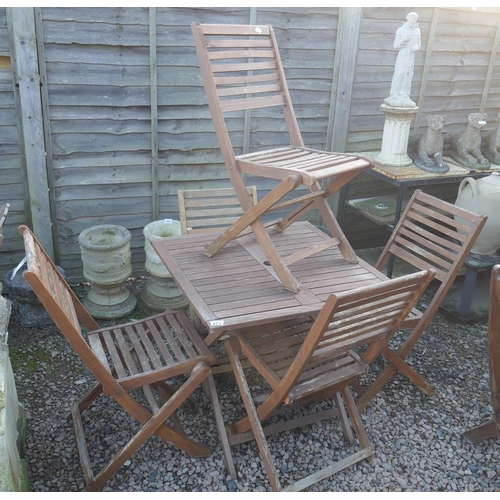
107, 264
161, 291
395, 136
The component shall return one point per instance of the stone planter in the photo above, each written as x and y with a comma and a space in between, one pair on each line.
105, 251
161, 291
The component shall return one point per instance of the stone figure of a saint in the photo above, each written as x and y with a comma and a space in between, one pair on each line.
407, 41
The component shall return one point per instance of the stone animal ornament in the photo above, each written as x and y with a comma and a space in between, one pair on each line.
465, 144
491, 144
429, 154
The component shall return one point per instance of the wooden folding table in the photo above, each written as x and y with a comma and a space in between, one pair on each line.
237, 287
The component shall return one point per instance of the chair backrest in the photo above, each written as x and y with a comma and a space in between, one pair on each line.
242, 70
205, 210
433, 233
60, 301
494, 343
357, 317
4, 209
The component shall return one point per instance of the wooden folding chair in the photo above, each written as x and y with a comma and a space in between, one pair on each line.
305, 360
491, 428
141, 354
242, 70
4, 209
430, 233
207, 210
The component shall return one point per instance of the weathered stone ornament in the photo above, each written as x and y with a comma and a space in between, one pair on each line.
161, 291
428, 155
407, 41
106, 257
465, 144
491, 146
398, 108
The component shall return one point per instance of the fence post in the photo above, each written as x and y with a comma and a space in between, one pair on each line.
24, 56
344, 67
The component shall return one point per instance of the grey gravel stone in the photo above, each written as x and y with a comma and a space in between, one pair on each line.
417, 438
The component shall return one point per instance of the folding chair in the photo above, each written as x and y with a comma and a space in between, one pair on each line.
305, 360
207, 210
4, 209
242, 70
430, 233
491, 428
141, 354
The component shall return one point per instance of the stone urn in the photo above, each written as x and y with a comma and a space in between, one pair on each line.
482, 197
106, 257
161, 291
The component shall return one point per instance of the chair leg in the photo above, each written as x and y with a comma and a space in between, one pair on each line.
226, 449
198, 375
346, 428
232, 346
484, 431
359, 429
396, 362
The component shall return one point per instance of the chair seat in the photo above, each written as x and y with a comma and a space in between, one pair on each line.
156, 348
313, 165
277, 350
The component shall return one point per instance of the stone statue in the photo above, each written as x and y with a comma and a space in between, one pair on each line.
491, 148
408, 42
465, 144
429, 151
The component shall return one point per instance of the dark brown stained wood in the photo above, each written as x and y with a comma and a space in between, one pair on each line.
447, 222
314, 358
491, 428
124, 357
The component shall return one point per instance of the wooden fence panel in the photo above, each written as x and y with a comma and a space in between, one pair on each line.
105, 120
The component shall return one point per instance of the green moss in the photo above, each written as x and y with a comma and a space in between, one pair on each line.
28, 361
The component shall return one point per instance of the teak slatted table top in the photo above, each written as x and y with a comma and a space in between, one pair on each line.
235, 288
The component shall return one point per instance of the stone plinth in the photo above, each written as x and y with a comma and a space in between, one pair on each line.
395, 136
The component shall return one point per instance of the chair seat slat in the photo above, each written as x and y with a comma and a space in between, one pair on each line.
144, 336
167, 334
155, 332
138, 348
115, 357
97, 347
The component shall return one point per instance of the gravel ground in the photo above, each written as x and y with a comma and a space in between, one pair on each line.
417, 438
